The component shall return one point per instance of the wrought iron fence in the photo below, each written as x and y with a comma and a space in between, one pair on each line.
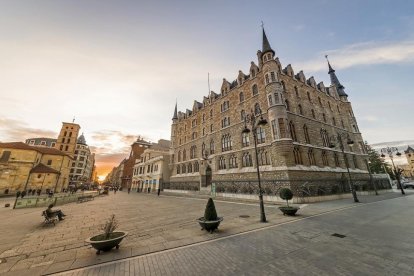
186, 186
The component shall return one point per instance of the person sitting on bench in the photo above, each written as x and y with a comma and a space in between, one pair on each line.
51, 213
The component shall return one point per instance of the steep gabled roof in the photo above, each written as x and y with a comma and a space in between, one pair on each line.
42, 168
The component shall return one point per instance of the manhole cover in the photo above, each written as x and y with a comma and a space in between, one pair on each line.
244, 216
338, 235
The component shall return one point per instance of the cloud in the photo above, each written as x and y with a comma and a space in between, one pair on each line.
367, 53
15, 130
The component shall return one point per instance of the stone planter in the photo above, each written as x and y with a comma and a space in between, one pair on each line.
100, 244
288, 210
209, 225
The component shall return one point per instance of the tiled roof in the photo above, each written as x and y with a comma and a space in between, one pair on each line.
23, 146
42, 168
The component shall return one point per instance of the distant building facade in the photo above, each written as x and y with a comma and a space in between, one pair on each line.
83, 163
151, 170
409, 168
67, 138
42, 142
25, 167
207, 143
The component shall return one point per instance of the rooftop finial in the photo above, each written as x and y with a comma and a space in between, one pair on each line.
73, 119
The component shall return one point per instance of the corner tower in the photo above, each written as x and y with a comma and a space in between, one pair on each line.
277, 112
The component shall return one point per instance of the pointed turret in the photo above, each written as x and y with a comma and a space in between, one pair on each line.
175, 117
265, 44
334, 80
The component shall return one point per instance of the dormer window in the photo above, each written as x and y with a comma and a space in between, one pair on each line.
267, 79
273, 76
253, 74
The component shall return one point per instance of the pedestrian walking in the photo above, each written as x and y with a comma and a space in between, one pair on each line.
159, 191
129, 190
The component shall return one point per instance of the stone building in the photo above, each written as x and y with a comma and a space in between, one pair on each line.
83, 163
25, 167
151, 170
295, 147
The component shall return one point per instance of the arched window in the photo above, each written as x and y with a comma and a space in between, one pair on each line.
336, 158
325, 158
190, 168
241, 97
245, 139
257, 110
355, 161
313, 113
296, 92
178, 169
212, 147
226, 143
247, 160
287, 105
242, 115
309, 97
306, 134
267, 78
319, 100
273, 76
179, 156
270, 100
261, 135
233, 161
183, 168
300, 110
292, 131
196, 167
211, 113
203, 149
311, 157
283, 86
204, 118
193, 152
253, 73
263, 158
255, 91
297, 155
276, 95
324, 117
222, 163
325, 138
184, 155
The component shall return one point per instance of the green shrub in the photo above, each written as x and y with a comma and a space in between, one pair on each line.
210, 212
286, 194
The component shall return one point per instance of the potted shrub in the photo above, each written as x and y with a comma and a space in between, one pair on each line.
287, 195
109, 238
210, 221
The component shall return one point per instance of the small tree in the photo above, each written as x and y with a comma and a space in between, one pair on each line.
110, 226
210, 212
286, 194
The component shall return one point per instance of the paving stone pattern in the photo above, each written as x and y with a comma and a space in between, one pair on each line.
27, 247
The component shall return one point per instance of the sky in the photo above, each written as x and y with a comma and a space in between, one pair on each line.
118, 67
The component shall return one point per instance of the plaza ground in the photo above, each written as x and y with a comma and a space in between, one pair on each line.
377, 237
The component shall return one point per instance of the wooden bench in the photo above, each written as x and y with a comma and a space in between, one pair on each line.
49, 219
85, 198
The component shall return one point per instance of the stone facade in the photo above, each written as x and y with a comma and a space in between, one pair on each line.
24, 167
67, 138
83, 163
409, 168
299, 141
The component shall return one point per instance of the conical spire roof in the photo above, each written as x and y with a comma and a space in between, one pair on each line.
265, 44
334, 80
175, 116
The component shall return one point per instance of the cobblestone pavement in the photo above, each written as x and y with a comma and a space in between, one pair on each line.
27, 247
377, 240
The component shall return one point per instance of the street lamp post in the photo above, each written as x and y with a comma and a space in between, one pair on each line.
338, 139
370, 177
390, 151
251, 119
